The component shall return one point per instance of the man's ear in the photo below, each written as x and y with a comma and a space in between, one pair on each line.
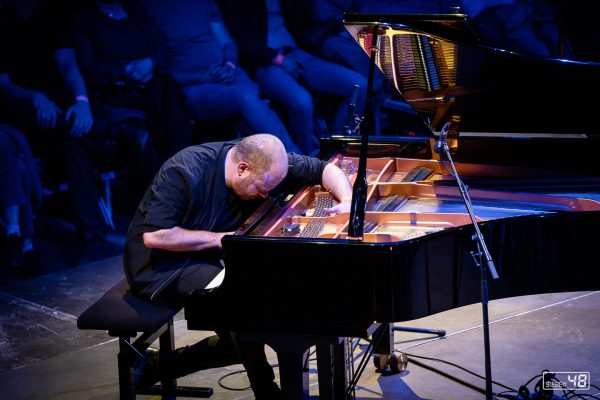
242, 167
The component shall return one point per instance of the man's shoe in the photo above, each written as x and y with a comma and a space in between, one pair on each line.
270, 392
14, 251
147, 371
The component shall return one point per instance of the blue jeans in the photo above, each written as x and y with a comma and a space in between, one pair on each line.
239, 98
320, 76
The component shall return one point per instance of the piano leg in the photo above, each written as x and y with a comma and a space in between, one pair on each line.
384, 359
331, 367
383, 340
293, 379
290, 351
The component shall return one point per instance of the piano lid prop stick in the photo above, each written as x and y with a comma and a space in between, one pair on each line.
359, 190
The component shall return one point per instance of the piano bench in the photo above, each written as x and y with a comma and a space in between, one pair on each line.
124, 315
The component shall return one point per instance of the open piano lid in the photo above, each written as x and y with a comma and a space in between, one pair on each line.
445, 74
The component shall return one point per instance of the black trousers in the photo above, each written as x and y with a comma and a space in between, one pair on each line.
224, 348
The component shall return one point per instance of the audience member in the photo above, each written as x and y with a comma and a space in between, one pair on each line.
524, 26
286, 73
43, 92
128, 88
20, 192
329, 38
204, 61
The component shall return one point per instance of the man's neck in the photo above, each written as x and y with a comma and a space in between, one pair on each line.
230, 167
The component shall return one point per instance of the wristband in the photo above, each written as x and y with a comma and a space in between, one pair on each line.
231, 64
82, 98
278, 59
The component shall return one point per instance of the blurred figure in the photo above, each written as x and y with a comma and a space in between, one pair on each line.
285, 73
203, 59
524, 26
329, 38
127, 84
44, 95
20, 192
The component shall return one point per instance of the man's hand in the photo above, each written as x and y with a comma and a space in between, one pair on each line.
81, 118
222, 73
342, 207
140, 70
292, 66
46, 112
220, 237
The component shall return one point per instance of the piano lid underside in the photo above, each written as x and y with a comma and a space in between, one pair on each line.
486, 89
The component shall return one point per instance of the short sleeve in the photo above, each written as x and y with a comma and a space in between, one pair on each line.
168, 200
305, 170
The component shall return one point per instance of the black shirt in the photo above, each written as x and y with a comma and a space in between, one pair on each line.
189, 191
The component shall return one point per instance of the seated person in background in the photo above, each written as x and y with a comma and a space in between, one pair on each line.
173, 244
203, 60
20, 192
328, 37
284, 72
44, 95
126, 85
524, 26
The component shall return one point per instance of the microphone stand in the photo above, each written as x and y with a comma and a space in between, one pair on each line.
482, 252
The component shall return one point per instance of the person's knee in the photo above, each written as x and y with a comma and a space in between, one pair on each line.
249, 102
8, 149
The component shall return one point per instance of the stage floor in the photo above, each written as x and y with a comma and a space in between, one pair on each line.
44, 356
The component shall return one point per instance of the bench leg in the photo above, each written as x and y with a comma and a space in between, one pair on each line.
167, 344
125, 362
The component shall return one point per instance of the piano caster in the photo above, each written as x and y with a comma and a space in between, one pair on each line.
390, 363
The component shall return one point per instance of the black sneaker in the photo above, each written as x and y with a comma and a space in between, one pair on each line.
147, 371
31, 265
14, 251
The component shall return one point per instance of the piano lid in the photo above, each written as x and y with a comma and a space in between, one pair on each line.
445, 74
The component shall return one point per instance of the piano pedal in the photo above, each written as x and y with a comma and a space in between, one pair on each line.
390, 364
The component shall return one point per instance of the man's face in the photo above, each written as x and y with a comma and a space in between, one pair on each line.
250, 186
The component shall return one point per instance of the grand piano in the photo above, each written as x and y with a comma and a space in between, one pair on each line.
525, 142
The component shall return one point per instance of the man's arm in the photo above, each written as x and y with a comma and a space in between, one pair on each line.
79, 112
337, 183
180, 239
46, 112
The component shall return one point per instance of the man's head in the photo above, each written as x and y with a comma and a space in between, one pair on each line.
255, 166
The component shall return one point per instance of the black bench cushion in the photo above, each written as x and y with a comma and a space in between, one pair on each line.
119, 310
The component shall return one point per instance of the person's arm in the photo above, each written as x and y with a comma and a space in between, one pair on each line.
243, 21
312, 171
10, 90
46, 112
222, 36
79, 112
337, 183
180, 239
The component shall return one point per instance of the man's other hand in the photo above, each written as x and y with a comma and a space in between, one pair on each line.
46, 112
80, 116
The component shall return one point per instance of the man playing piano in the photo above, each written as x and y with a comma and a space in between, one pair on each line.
173, 244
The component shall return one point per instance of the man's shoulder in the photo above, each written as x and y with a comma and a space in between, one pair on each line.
196, 158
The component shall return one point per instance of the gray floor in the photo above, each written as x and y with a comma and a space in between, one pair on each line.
44, 356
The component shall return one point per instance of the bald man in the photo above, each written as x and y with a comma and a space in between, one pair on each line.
199, 195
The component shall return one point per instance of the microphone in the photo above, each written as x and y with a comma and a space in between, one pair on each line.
439, 144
